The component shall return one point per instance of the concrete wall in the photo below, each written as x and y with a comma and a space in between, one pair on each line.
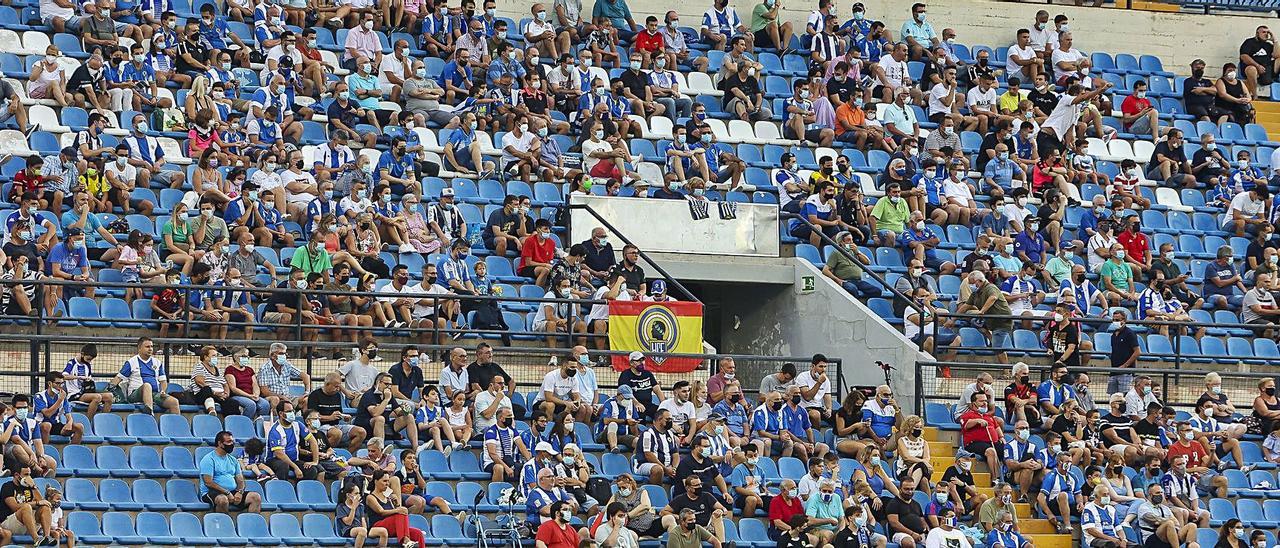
774, 320
1174, 37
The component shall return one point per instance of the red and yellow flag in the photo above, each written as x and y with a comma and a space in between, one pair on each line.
673, 327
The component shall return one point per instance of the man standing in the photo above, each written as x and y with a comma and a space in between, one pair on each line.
222, 481
1124, 352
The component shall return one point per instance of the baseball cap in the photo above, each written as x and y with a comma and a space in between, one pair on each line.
446, 192
962, 454
73, 232
626, 391
659, 287
1068, 245
636, 356
544, 447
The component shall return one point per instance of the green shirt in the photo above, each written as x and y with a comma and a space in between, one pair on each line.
1001, 307
889, 216
758, 19
308, 262
1059, 268
679, 537
1119, 274
844, 268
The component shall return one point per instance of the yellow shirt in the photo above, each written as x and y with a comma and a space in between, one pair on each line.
96, 185
1008, 102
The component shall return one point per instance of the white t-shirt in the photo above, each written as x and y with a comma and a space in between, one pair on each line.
266, 181
946, 539
1012, 212
983, 100
936, 94
1071, 56
561, 310
895, 71
356, 206
805, 381
277, 52
288, 176
126, 174
483, 401
1042, 38
421, 310
1095, 243
588, 147
359, 376
1064, 115
958, 190
393, 294
50, 9
1243, 203
808, 485
557, 384
1023, 53
391, 64
535, 28
601, 311
680, 413
521, 143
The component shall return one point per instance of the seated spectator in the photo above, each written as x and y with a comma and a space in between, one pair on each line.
557, 531
391, 514
286, 438
208, 385
1062, 489
503, 448
276, 376
350, 517
24, 511
141, 378
378, 409
221, 481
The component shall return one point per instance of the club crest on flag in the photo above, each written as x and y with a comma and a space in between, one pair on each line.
657, 330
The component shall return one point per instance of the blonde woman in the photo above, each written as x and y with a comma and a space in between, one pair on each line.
869, 467
640, 512
1223, 409
862, 494
913, 451
701, 409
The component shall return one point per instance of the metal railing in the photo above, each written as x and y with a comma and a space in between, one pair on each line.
657, 267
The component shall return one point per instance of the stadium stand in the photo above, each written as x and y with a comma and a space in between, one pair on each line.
330, 171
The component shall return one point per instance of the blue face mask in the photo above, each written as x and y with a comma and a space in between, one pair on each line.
706, 137
413, 360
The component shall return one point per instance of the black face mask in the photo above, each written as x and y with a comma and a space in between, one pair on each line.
795, 400
1197, 73
571, 372
506, 423
431, 279
1024, 379
777, 406
916, 433
735, 398
298, 164
1270, 391
1079, 278
372, 353
229, 447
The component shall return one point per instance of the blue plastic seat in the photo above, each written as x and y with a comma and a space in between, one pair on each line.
220, 526
145, 429
80, 460
447, 529
155, 528
313, 494
190, 529
286, 528
183, 493
150, 494
466, 464
320, 529
147, 461
87, 529
435, 465
112, 459
117, 495
253, 527
281, 495
83, 494
179, 461
177, 430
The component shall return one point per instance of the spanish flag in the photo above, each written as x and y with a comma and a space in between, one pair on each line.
669, 327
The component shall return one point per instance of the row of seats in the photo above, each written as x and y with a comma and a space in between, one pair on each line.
215, 529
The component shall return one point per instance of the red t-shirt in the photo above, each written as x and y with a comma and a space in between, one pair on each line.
780, 510
24, 182
1135, 245
1133, 105
243, 377
554, 536
648, 42
989, 433
536, 250
1195, 453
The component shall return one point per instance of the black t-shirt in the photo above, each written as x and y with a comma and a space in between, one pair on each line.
960, 478
325, 404
1147, 431
22, 494
1063, 424
909, 514
1122, 344
501, 219
1255, 250
372, 397
286, 298
1061, 338
1044, 101
641, 384
844, 90
703, 506
749, 86
1178, 155
848, 538
197, 51
634, 276
708, 471
82, 77
29, 249
989, 143
1209, 172
635, 81
1196, 99
482, 374
1121, 424
1259, 50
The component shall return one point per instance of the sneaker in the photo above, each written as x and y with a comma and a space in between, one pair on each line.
409, 544
338, 354
147, 409
458, 446
1248, 468
447, 451
408, 248
253, 353
462, 517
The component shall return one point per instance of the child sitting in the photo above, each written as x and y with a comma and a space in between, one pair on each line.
1125, 186
255, 460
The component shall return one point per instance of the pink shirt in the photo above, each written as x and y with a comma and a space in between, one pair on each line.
363, 42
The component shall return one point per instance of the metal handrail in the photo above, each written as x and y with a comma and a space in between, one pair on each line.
609, 226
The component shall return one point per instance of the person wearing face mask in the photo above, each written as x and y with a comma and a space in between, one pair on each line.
286, 438
1199, 94
222, 481
1234, 97
1100, 522
906, 523
743, 96
1186, 478
700, 465
1060, 494
619, 420
801, 118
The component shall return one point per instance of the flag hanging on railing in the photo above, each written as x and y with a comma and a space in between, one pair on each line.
673, 327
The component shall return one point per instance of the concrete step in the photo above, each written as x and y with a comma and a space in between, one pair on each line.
931, 433
942, 449
1032, 526
1052, 541
1023, 510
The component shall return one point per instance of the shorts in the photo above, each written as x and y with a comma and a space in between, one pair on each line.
932, 262
762, 39
55, 427
344, 428
5, 114
164, 176
980, 448
812, 135
740, 502
463, 159
1141, 125
527, 272
208, 497
643, 469
606, 170
1265, 77
1001, 338
14, 525
899, 538
71, 23
273, 317
121, 397
938, 117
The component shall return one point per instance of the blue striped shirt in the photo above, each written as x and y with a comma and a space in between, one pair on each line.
288, 438
504, 438
46, 400
144, 148
661, 445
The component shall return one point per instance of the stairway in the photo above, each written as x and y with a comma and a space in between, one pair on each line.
1039, 531
1268, 114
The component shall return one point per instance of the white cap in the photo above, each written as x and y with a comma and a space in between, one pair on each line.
636, 356
544, 447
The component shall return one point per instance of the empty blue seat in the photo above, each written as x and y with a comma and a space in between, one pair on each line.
320, 529
85, 526
155, 528
183, 493
145, 429
281, 496
253, 527
190, 529
117, 495
147, 461
220, 526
